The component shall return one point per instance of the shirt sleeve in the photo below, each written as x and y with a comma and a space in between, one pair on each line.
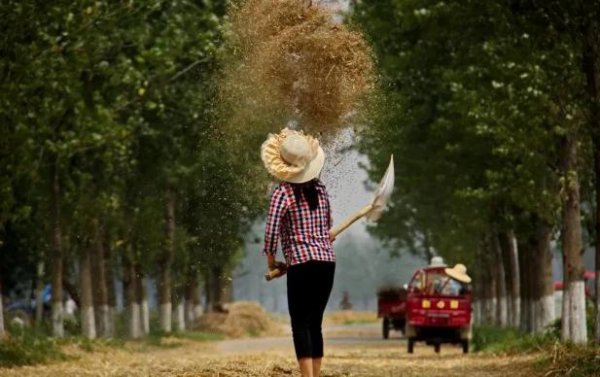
329, 212
329, 217
277, 210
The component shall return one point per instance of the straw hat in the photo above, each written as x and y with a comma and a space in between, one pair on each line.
458, 272
437, 262
292, 156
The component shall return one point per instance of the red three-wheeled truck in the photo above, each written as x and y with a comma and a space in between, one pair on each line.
433, 307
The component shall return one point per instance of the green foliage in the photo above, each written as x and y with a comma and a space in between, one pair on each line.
476, 100
122, 101
509, 340
199, 336
26, 346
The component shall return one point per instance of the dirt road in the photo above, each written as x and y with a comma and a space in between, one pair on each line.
355, 351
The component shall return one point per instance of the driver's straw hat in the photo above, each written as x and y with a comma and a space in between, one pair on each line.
437, 262
458, 272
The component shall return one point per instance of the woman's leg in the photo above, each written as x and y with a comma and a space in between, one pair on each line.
306, 367
323, 283
316, 367
299, 302
309, 286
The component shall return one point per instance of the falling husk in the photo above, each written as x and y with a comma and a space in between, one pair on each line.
293, 63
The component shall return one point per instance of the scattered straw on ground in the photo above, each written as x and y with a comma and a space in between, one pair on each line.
294, 62
573, 360
243, 319
368, 358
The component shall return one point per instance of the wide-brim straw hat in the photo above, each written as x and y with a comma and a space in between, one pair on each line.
458, 272
292, 156
437, 262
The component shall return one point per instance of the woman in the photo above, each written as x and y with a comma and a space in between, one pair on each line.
300, 215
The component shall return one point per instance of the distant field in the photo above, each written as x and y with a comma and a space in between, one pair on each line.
349, 317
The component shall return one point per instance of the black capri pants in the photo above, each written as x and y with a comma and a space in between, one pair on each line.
308, 288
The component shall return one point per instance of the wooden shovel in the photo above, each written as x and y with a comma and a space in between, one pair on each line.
372, 211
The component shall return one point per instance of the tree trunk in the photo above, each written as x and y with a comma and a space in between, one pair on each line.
129, 285
524, 272
503, 241
597, 241
543, 283
516, 280
180, 315
142, 299
191, 300
479, 285
39, 288
208, 299
216, 288
58, 329
2, 329
488, 304
164, 283
500, 277
99, 272
88, 323
508, 243
429, 252
591, 68
572, 243
110, 286
565, 324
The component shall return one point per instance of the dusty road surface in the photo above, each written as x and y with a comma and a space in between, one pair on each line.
350, 351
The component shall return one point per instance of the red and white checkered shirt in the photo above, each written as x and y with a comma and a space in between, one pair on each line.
304, 233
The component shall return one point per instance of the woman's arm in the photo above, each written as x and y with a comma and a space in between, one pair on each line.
277, 209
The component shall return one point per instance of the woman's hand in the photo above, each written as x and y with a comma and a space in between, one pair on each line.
281, 267
276, 270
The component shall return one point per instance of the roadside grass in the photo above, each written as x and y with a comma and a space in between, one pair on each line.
556, 358
25, 346
199, 336
510, 341
572, 360
157, 339
31, 345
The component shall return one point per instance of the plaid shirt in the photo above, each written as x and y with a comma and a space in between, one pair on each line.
304, 233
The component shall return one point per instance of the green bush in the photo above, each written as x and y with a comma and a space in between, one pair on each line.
509, 340
26, 346
199, 336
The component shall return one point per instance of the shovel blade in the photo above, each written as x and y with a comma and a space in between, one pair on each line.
383, 193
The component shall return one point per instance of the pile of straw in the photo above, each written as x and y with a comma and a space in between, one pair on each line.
243, 319
293, 62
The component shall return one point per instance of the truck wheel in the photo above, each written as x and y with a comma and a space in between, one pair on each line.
437, 347
411, 345
465, 346
386, 328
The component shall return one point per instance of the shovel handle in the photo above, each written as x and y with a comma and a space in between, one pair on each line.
271, 274
349, 221
334, 232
